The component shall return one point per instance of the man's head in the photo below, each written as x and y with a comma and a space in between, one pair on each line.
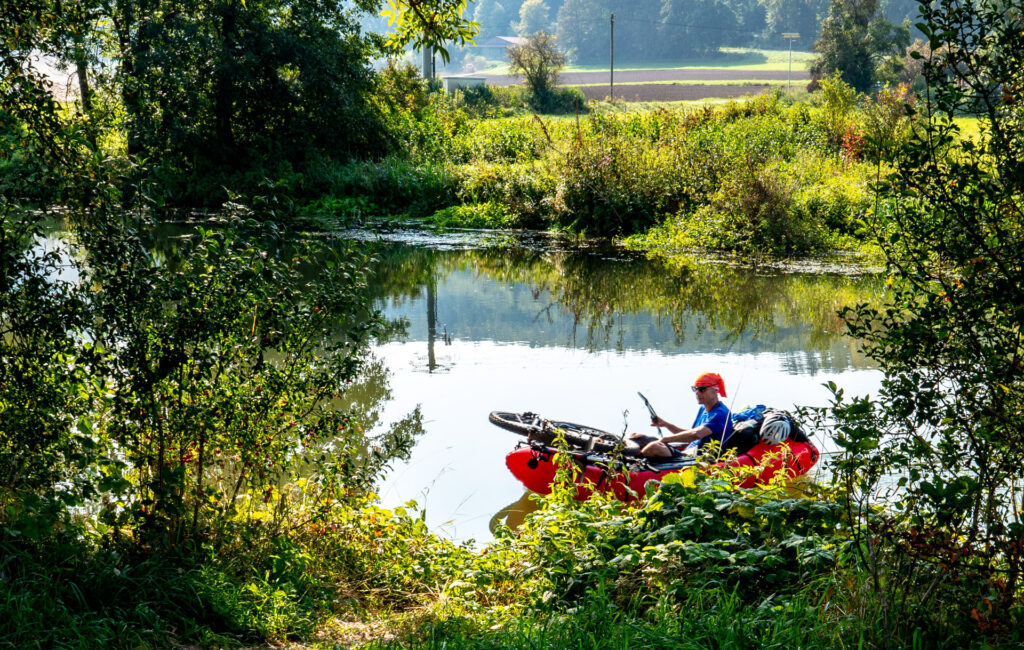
708, 387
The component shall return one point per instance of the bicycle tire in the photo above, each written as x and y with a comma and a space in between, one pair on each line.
578, 436
524, 424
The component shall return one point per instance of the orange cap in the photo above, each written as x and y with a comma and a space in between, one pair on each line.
712, 379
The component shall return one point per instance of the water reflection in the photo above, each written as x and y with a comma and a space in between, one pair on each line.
599, 300
514, 513
587, 301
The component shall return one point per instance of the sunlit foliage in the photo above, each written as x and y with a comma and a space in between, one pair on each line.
941, 444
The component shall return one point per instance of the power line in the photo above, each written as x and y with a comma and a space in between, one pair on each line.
601, 21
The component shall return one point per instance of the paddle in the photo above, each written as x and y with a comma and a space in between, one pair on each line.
650, 409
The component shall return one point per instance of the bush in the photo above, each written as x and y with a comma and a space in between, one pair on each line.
567, 101
612, 187
477, 215
511, 139
835, 112
757, 544
22, 176
400, 86
829, 201
394, 185
887, 122
426, 133
492, 101
521, 190
752, 213
799, 207
624, 174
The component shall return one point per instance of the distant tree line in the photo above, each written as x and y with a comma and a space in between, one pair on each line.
659, 30
861, 45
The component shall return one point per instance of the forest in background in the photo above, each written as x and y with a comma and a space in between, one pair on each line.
664, 31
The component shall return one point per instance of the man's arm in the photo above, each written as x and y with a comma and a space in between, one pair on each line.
680, 434
687, 435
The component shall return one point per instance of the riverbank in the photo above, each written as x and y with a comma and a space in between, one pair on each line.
766, 178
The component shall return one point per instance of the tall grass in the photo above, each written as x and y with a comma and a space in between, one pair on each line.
71, 597
393, 185
765, 176
254, 588
712, 618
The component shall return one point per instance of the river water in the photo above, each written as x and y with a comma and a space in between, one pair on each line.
572, 333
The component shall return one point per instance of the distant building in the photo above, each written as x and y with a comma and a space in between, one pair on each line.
454, 82
494, 48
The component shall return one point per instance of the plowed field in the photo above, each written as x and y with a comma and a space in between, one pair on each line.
634, 85
672, 92
667, 74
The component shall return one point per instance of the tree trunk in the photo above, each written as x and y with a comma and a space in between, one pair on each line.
223, 101
82, 70
428, 63
123, 16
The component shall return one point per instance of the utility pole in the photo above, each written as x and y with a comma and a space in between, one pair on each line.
790, 36
611, 69
431, 322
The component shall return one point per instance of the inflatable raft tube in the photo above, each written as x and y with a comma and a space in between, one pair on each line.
536, 465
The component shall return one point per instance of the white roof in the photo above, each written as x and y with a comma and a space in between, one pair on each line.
502, 41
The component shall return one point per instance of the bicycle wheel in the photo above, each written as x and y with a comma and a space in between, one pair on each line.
522, 423
577, 436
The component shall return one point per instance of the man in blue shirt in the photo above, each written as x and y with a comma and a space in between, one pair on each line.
712, 422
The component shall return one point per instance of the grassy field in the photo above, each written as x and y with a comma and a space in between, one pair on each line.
970, 127
696, 82
733, 58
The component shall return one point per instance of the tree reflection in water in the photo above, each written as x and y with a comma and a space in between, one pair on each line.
580, 299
